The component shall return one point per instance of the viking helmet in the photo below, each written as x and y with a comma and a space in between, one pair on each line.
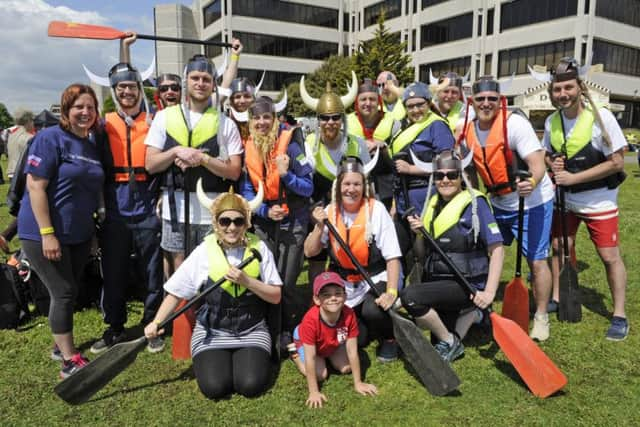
484, 84
416, 90
168, 76
567, 69
230, 201
330, 102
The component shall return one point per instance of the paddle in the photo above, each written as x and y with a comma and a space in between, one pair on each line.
79, 387
435, 373
99, 32
535, 368
569, 307
515, 304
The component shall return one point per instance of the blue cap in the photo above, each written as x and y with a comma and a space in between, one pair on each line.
416, 90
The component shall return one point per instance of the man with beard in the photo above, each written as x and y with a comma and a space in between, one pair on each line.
501, 144
589, 168
451, 103
388, 87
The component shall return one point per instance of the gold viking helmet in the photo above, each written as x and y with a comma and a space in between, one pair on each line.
230, 201
330, 102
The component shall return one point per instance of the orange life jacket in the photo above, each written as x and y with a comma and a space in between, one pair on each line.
127, 146
493, 161
354, 237
257, 169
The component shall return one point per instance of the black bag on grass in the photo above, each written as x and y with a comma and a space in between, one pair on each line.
13, 298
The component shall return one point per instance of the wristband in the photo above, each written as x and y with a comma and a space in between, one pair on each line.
204, 160
46, 230
235, 56
156, 322
392, 291
533, 182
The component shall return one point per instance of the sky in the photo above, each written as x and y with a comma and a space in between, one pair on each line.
35, 68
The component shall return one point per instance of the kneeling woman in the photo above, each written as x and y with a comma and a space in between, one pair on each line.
464, 227
231, 345
366, 226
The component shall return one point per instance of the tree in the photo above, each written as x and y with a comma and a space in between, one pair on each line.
383, 53
5, 118
109, 107
335, 69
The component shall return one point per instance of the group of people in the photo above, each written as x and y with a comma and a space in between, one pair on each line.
214, 177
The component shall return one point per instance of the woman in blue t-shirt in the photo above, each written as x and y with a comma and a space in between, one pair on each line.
55, 222
461, 222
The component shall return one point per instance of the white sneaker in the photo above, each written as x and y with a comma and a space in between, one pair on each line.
540, 330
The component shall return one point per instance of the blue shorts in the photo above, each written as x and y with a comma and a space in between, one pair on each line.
296, 340
536, 229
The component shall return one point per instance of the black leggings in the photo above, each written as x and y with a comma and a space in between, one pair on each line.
446, 297
219, 373
373, 322
62, 279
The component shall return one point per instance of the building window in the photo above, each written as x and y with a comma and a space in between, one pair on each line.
479, 25
287, 11
625, 11
456, 28
413, 40
263, 44
458, 65
525, 12
490, 14
616, 58
391, 9
487, 64
427, 3
516, 60
213, 51
211, 12
273, 80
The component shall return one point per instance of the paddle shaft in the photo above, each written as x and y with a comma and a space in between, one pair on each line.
596, 114
181, 40
254, 255
563, 207
519, 239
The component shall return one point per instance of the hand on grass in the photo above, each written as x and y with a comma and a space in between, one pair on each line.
315, 399
366, 389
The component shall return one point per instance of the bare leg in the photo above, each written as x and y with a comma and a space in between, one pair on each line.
541, 279
340, 360
616, 276
65, 344
432, 322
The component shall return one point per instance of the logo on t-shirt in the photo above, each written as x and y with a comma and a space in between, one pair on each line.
34, 160
343, 332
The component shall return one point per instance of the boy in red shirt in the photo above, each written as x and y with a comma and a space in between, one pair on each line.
328, 330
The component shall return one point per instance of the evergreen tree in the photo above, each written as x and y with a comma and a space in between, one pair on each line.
383, 53
5, 118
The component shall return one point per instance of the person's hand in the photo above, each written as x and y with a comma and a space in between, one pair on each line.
524, 187
51, 247
236, 46
277, 213
403, 166
238, 276
391, 87
483, 299
366, 389
4, 245
188, 156
152, 331
315, 399
386, 300
564, 178
319, 215
557, 165
130, 38
414, 222
282, 163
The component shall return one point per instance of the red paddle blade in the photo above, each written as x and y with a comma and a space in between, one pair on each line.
516, 303
535, 368
82, 31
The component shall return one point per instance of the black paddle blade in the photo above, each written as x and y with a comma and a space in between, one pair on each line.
569, 309
79, 387
436, 374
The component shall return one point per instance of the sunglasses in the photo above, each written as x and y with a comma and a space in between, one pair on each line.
417, 105
173, 87
226, 221
451, 175
485, 98
326, 117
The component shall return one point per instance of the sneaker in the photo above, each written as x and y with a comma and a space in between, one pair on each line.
155, 345
56, 354
450, 352
618, 330
70, 367
552, 307
540, 330
108, 340
388, 351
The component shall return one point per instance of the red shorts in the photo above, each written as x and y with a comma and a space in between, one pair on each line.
602, 226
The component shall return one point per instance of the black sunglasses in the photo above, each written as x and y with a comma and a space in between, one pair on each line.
327, 117
226, 221
173, 87
451, 175
485, 98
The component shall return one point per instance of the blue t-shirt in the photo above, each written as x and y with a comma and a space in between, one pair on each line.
72, 167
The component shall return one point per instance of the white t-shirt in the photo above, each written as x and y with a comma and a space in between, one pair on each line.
599, 199
194, 271
230, 144
386, 239
522, 139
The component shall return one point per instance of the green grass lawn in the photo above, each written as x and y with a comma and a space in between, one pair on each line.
603, 388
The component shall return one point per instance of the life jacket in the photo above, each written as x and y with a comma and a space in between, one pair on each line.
453, 116
127, 147
382, 131
580, 154
257, 169
494, 161
203, 137
468, 255
368, 255
231, 307
398, 112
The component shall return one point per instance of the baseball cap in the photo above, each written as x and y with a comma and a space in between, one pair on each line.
326, 278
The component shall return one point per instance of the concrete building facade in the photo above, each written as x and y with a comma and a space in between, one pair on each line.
497, 37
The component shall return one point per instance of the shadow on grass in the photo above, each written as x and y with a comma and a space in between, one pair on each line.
594, 301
